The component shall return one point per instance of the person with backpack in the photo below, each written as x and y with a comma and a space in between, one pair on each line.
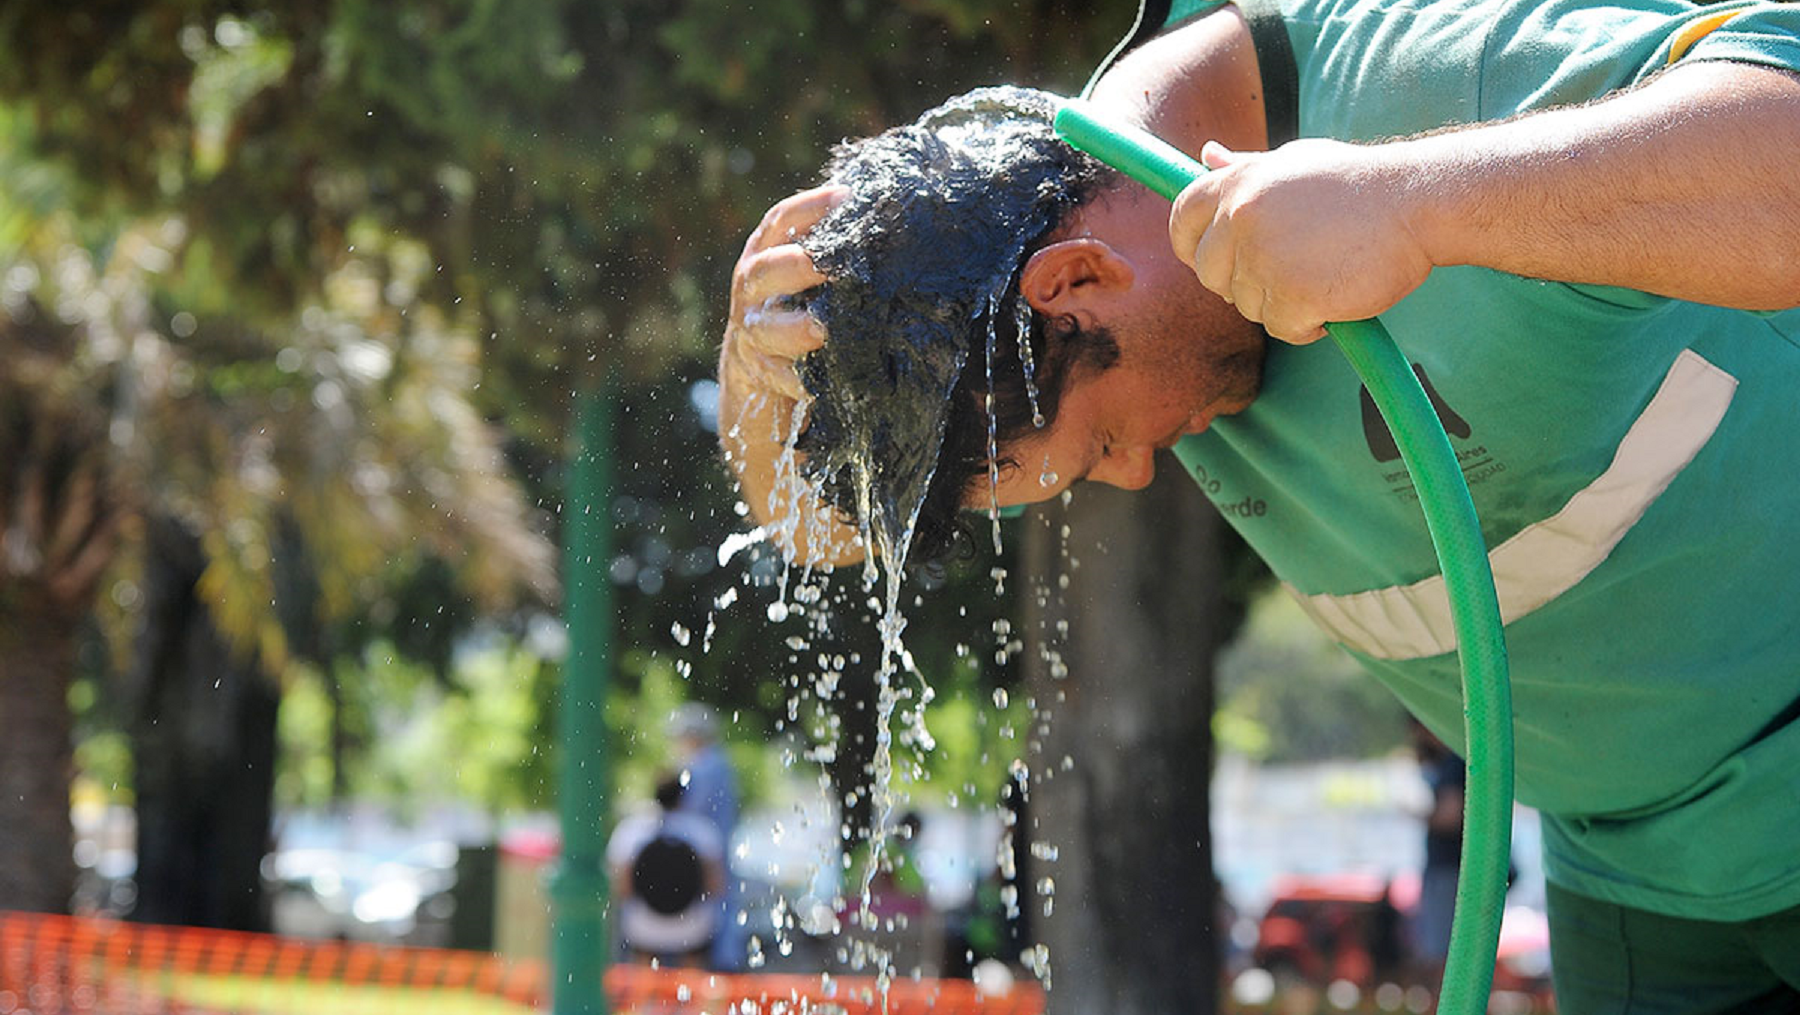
668, 870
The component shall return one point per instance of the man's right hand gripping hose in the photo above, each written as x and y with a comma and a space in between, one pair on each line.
762, 404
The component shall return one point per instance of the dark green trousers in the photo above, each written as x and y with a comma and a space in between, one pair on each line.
1613, 960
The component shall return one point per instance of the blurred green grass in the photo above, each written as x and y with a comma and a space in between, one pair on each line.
292, 996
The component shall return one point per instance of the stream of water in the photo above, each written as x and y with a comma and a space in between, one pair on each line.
923, 258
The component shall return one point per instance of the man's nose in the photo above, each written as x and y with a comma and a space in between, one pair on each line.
1126, 468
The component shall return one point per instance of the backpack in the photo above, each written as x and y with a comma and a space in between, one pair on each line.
667, 874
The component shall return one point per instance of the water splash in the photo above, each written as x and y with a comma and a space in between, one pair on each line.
983, 107
993, 444
923, 258
1022, 326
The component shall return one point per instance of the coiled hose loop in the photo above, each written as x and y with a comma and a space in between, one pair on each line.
1462, 557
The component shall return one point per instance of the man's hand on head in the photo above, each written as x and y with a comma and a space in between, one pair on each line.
1314, 231
761, 400
765, 332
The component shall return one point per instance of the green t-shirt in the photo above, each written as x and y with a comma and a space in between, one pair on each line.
1633, 460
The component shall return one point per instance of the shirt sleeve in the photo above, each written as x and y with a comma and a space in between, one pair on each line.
1373, 69
1758, 33
1570, 51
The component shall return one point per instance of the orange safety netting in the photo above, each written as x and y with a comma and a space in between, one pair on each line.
52, 965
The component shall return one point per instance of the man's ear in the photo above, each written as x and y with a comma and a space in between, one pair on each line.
1070, 276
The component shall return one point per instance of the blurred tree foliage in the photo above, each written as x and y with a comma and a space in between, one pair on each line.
308, 288
1288, 693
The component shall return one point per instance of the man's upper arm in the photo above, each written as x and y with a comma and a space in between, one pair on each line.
1375, 71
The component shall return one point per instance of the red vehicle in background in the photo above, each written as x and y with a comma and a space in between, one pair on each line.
1319, 930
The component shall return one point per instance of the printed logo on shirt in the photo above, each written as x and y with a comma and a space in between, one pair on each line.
1477, 463
1238, 507
1381, 439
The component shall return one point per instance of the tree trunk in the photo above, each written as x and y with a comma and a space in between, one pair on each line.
37, 659
203, 738
1119, 801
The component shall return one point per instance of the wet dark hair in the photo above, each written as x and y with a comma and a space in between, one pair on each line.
924, 312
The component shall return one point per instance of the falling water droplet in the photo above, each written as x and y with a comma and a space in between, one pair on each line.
1022, 326
993, 441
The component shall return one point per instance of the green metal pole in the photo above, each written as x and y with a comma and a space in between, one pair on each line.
578, 889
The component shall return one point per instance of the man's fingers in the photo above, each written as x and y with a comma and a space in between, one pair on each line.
1216, 156
793, 216
1190, 218
776, 331
777, 271
776, 374
1285, 325
765, 335
1214, 261
1250, 299
745, 368
774, 266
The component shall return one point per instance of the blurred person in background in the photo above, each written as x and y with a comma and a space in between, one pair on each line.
1445, 777
668, 873
711, 794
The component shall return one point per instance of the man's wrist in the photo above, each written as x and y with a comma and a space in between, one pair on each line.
1442, 197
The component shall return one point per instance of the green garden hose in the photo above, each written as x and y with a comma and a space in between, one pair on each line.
1462, 556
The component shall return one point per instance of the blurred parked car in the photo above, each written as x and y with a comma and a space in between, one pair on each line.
404, 897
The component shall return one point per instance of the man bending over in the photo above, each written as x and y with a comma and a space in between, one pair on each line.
1586, 239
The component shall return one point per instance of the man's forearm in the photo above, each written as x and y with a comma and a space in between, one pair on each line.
1686, 187
755, 434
